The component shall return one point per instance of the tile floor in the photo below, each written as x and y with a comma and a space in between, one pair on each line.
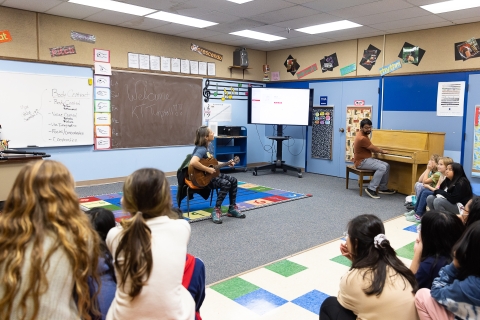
294, 288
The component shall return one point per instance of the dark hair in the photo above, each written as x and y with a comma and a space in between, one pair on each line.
440, 231
102, 221
364, 122
466, 252
458, 172
178, 211
201, 136
473, 211
362, 230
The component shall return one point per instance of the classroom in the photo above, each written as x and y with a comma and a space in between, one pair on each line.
106, 93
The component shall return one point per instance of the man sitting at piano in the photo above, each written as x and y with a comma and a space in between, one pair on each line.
362, 150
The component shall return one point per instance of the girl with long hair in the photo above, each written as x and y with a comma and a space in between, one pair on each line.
420, 207
102, 221
432, 251
454, 190
455, 293
48, 249
471, 211
378, 285
149, 250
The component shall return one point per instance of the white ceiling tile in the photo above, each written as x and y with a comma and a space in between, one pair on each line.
200, 34
353, 32
371, 8
217, 17
32, 5
72, 10
307, 21
284, 14
327, 6
172, 28
426, 26
143, 23
409, 23
423, 2
237, 25
254, 7
110, 17
222, 38
466, 20
461, 14
392, 16
155, 4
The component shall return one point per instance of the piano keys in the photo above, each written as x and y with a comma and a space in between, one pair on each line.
408, 155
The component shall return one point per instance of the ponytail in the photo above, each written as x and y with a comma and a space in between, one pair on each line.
136, 246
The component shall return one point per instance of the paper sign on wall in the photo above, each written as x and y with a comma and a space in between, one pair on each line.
101, 55
450, 98
5, 36
102, 143
103, 68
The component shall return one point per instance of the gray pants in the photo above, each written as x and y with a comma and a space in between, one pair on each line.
441, 204
380, 177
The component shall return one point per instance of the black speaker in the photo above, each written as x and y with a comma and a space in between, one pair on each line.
240, 57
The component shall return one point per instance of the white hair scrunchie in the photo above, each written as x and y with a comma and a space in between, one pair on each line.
378, 240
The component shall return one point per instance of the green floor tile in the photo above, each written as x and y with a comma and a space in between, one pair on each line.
286, 268
234, 288
261, 188
342, 260
111, 207
406, 251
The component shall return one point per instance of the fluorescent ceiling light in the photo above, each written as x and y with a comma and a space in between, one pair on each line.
239, 1
257, 35
115, 6
452, 5
328, 27
176, 18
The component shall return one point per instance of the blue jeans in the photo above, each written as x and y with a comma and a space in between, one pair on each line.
421, 205
380, 177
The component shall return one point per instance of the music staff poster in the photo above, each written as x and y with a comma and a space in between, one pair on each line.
355, 114
322, 132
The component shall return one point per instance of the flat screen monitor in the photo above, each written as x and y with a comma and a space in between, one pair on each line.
280, 106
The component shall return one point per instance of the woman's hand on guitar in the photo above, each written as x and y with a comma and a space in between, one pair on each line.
210, 170
231, 163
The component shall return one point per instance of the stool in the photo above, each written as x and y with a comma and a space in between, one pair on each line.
361, 173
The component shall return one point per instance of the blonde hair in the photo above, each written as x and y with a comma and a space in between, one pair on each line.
201, 137
146, 194
446, 160
41, 204
435, 157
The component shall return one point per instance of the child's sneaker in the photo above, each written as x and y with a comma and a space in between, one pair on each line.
409, 213
233, 212
414, 218
217, 215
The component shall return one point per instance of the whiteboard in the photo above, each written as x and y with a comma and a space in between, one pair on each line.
46, 110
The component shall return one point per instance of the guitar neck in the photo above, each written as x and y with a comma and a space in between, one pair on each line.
221, 165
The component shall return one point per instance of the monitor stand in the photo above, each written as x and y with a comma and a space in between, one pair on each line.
279, 163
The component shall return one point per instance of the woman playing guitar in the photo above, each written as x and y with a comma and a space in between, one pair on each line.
226, 184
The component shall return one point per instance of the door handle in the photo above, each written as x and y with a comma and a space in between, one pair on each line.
341, 130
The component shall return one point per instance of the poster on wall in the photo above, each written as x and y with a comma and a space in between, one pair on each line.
476, 143
355, 114
322, 132
292, 65
411, 54
450, 97
467, 49
329, 62
217, 112
370, 57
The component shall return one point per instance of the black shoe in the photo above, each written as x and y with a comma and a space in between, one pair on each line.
387, 191
407, 204
410, 207
372, 194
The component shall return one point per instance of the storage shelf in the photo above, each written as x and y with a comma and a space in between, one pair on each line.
226, 147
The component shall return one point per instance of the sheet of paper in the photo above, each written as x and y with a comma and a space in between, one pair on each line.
154, 63
103, 118
144, 61
165, 64
185, 66
102, 131
101, 81
102, 106
102, 143
211, 68
133, 60
193, 67
202, 68
103, 68
175, 65
101, 93
101, 55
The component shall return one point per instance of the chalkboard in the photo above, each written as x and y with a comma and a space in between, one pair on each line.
45, 110
150, 110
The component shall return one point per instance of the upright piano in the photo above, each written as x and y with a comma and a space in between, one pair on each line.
408, 154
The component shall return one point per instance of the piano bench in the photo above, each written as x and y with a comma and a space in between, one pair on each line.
361, 173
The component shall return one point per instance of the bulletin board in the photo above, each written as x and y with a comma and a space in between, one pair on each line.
322, 132
355, 114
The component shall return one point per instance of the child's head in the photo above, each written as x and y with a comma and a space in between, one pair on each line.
472, 211
466, 252
147, 191
440, 231
102, 221
434, 159
443, 162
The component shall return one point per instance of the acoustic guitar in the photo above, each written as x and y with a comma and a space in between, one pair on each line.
201, 178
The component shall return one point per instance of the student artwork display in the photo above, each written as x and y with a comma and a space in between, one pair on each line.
329, 62
355, 114
322, 133
226, 90
291, 64
307, 71
370, 57
476, 143
411, 54
102, 96
467, 49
